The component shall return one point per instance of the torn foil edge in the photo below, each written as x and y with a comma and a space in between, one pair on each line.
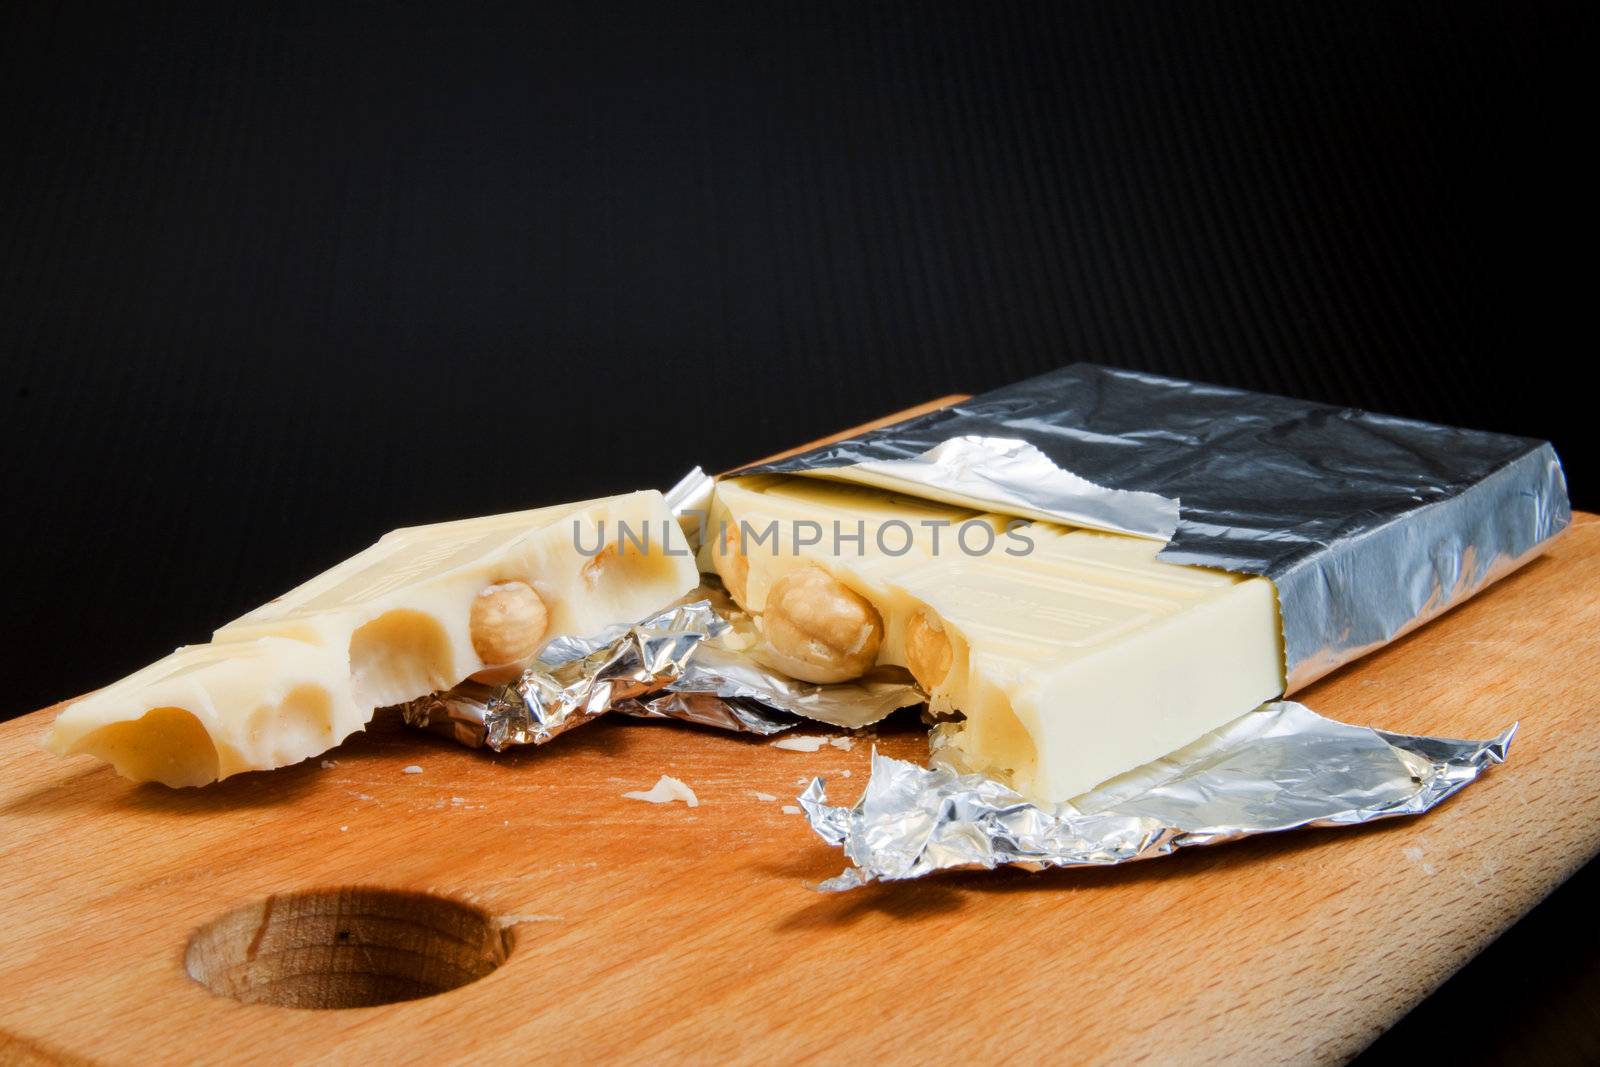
1013, 477
690, 502
575, 679
1280, 767
684, 663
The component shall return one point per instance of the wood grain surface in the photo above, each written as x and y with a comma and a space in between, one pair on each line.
646, 932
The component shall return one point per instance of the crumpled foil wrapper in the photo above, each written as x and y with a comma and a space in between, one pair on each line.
691, 662
574, 680
1280, 767
730, 668
1368, 525
722, 674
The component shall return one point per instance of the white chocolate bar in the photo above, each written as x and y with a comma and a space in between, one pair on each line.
1073, 655
420, 611
208, 711
402, 607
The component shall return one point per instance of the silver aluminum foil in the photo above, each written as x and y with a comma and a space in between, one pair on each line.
690, 502
574, 680
691, 662
1015, 478
1368, 525
1281, 767
729, 667
739, 676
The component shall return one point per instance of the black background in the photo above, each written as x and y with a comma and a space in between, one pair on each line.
275, 281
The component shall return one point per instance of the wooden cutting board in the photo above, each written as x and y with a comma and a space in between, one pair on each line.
607, 928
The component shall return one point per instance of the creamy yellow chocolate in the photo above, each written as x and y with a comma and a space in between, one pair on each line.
209, 711
1072, 655
420, 611
404, 608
